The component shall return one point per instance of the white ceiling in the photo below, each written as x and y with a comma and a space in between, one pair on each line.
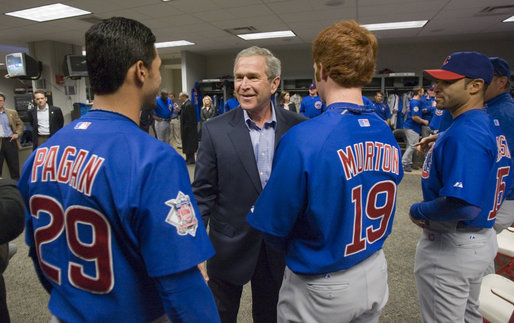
204, 21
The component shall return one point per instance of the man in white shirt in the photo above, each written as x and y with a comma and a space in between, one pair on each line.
45, 119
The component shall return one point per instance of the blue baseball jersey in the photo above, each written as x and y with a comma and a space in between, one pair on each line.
414, 110
383, 111
470, 161
312, 106
428, 107
367, 101
501, 108
335, 203
163, 108
105, 219
231, 103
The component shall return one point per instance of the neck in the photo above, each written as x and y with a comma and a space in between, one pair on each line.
260, 116
124, 101
333, 93
475, 102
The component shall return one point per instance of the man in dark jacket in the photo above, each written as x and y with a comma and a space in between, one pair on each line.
188, 128
45, 119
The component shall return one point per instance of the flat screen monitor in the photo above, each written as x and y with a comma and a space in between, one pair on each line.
22, 65
75, 66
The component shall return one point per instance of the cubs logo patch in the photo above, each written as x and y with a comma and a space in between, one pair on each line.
182, 215
82, 125
447, 60
318, 105
364, 123
416, 109
439, 112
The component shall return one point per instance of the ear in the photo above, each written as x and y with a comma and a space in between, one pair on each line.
323, 72
475, 86
141, 72
274, 84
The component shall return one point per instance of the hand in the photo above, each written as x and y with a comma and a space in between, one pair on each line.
419, 223
424, 144
14, 137
203, 270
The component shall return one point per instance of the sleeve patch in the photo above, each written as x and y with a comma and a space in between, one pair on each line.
182, 215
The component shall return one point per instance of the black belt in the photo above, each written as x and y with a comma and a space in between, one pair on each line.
174, 118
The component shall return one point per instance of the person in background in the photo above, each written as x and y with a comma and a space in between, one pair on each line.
412, 128
11, 128
500, 106
311, 105
175, 123
428, 110
208, 110
285, 101
381, 108
45, 119
112, 225
188, 128
11, 225
146, 120
233, 165
162, 116
231, 103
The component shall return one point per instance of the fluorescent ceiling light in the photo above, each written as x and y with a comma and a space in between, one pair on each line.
396, 25
511, 19
272, 34
49, 12
173, 43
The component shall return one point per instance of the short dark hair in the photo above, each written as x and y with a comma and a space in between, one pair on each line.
112, 47
2, 95
39, 92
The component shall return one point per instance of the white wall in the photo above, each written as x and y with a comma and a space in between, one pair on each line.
193, 70
410, 57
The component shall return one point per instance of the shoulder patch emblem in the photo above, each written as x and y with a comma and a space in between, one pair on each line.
182, 215
82, 125
416, 109
364, 123
318, 105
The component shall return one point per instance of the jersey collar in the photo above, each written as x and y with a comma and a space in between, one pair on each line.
354, 108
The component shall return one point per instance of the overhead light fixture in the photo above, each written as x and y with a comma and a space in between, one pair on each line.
175, 43
511, 19
267, 35
49, 12
396, 25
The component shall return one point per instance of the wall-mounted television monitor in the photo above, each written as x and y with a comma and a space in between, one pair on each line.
75, 66
22, 65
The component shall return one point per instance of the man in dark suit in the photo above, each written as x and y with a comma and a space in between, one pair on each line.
11, 127
188, 128
45, 119
233, 165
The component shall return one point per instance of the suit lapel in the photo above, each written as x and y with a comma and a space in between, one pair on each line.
242, 143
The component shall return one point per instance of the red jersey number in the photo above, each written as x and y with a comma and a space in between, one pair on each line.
98, 250
372, 212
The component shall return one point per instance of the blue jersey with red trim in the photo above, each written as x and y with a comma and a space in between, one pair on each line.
470, 161
312, 106
414, 110
335, 204
383, 111
105, 219
428, 107
501, 108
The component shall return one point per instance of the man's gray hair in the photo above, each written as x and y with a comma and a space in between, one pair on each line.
183, 94
273, 65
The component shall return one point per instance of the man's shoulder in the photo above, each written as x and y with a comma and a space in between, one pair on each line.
222, 119
291, 116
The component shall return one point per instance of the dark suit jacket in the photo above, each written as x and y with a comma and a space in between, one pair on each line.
188, 127
226, 186
56, 122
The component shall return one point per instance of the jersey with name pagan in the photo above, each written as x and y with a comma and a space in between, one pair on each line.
332, 195
110, 208
470, 161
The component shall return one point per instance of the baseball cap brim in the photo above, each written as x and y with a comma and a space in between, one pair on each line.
444, 75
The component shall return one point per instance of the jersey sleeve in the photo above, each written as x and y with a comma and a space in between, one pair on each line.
465, 160
388, 111
168, 224
283, 198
